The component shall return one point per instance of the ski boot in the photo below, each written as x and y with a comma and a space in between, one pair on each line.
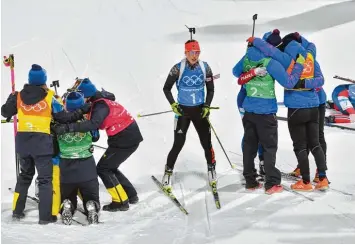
116, 206
211, 172
18, 217
249, 187
133, 200
261, 168
302, 186
36, 188
323, 184
316, 177
274, 189
67, 212
92, 208
166, 181
296, 172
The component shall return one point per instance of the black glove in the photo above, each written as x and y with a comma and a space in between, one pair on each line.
85, 108
300, 84
60, 129
329, 119
329, 104
8, 119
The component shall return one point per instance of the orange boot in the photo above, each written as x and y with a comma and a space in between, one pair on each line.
322, 185
301, 186
316, 177
296, 172
274, 189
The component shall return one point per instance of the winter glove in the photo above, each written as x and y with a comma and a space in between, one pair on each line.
250, 39
177, 109
329, 104
300, 84
205, 111
85, 108
60, 129
329, 119
300, 59
352, 118
260, 71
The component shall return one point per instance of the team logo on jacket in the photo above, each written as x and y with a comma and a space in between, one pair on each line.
72, 137
194, 80
40, 106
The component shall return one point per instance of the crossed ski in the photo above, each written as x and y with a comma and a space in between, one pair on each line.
170, 194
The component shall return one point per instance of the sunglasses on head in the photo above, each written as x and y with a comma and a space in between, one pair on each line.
191, 52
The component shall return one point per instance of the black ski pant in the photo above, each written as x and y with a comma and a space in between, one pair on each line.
323, 143
182, 124
88, 190
260, 128
44, 167
303, 125
119, 187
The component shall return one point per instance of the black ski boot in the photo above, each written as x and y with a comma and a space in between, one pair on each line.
92, 208
116, 206
261, 168
133, 200
67, 212
166, 181
53, 219
18, 217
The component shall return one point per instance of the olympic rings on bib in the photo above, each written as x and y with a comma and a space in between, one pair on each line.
193, 80
40, 106
72, 137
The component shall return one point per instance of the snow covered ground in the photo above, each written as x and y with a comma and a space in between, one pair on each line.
128, 47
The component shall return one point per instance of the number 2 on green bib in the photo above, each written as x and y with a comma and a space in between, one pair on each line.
264, 89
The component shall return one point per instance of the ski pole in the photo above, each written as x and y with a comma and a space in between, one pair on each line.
5, 121
255, 17
233, 166
99, 146
153, 114
163, 112
10, 62
344, 79
55, 84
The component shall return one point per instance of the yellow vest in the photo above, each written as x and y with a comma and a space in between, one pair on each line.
37, 117
308, 70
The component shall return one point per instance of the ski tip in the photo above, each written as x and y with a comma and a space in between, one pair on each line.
139, 115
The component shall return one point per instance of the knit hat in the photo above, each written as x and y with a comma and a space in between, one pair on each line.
74, 101
352, 92
37, 75
87, 88
294, 36
273, 38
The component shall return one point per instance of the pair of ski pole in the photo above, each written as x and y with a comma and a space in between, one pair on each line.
233, 166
